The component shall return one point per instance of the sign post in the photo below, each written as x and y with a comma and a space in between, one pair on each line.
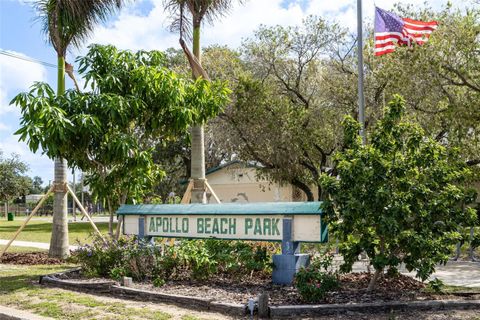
288, 222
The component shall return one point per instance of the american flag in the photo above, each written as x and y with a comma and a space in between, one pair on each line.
390, 30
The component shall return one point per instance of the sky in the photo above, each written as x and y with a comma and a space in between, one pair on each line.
142, 24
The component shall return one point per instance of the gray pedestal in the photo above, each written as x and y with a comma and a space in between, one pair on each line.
285, 266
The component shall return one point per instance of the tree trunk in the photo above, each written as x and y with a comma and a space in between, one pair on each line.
302, 186
74, 207
110, 220
59, 240
198, 144
374, 279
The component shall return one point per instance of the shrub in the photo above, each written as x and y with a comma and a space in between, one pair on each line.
436, 285
315, 281
198, 259
99, 258
240, 257
401, 198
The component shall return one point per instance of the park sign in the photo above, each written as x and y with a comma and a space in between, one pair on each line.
270, 221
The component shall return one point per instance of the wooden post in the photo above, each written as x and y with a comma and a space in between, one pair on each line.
34, 211
263, 305
209, 187
119, 227
188, 193
85, 213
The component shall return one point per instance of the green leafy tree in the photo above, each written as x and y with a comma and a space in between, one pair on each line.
36, 186
400, 198
110, 132
66, 23
279, 117
440, 78
13, 182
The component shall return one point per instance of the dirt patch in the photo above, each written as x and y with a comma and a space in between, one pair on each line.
29, 258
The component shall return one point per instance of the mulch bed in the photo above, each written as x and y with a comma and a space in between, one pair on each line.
29, 258
352, 290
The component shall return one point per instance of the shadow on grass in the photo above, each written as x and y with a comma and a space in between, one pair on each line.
16, 277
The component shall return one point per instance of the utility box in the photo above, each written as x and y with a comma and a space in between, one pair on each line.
10, 216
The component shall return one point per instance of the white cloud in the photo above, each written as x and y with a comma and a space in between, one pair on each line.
17, 75
134, 30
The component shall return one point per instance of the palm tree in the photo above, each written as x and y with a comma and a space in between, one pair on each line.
183, 20
68, 22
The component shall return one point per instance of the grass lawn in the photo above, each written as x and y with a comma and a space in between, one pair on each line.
40, 230
14, 249
19, 289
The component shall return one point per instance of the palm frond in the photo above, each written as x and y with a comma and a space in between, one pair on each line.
71, 22
196, 11
181, 19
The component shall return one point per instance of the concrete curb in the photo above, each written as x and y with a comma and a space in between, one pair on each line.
385, 307
233, 309
111, 288
195, 303
7, 313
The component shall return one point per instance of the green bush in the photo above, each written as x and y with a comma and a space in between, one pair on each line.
198, 259
314, 282
436, 285
100, 258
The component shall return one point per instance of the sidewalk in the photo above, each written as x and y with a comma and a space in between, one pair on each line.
455, 273
15, 314
31, 244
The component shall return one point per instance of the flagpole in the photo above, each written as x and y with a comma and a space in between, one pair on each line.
361, 99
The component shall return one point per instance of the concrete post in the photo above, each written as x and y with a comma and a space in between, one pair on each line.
287, 264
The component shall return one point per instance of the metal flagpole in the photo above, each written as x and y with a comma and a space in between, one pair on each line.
361, 99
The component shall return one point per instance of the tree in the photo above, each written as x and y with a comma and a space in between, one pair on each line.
198, 11
110, 132
440, 79
400, 198
174, 157
68, 22
279, 117
36, 186
13, 182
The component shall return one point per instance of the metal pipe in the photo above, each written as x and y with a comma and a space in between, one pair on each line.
361, 98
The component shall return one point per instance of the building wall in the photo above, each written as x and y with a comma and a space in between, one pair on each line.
237, 183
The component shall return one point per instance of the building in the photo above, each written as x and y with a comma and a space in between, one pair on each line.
237, 181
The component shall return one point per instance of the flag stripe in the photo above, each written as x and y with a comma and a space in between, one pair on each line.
421, 23
379, 53
419, 27
413, 31
391, 30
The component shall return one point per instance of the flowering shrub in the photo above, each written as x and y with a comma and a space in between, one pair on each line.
99, 258
315, 281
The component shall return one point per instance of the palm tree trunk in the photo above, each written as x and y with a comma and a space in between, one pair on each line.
198, 144
59, 241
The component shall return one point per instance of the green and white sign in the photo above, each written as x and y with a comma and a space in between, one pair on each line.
260, 221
